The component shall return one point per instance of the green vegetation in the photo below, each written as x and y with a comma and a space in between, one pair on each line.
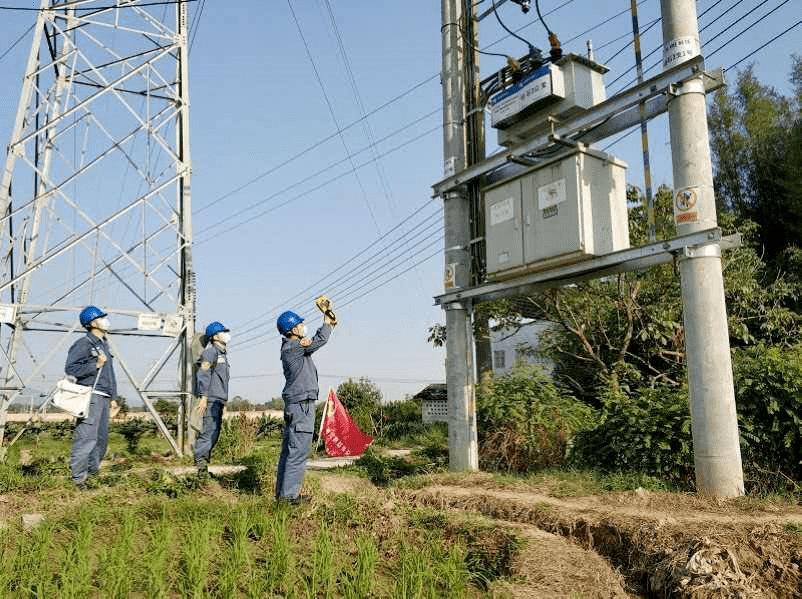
649, 433
526, 421
199, 546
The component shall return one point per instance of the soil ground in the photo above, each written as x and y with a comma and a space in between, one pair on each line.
628, 544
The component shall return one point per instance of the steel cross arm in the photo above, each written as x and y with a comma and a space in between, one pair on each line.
637, 258
67, 244
653, 107
594, 116
81, 105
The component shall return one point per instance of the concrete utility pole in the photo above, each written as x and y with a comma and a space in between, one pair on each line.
462, 444
717, 453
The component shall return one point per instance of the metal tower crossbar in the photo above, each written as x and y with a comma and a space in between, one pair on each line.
95, 200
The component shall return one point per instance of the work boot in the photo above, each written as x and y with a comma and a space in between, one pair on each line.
203, 469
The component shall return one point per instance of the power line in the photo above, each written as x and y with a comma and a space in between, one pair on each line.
195, 25
645, 30
383, 179
259, 340
379, 108
360, 268
359, 282
776, 8
332, 286
261, 201
334, 117
73, 6
660, 46
333, 292
339, 376
17, 41
390, 275
719, 34
311, 189
775, 38
344, 264
316, 144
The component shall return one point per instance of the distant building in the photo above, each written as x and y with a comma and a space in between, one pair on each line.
514, 345
434, 403
509, 346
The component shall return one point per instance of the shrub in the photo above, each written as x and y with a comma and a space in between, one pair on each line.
383, 469
237, 437
165, 407
362, 400
649, 433
525, 421
768, 395
401, 420
133, 430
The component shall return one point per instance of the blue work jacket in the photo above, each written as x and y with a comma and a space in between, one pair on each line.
213, 383
82, 364
300, 373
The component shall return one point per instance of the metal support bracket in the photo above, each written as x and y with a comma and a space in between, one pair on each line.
633, 259
600, 121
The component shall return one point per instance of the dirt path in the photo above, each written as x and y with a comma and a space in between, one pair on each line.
662, 544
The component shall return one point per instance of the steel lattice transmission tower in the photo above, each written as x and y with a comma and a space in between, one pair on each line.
95, 199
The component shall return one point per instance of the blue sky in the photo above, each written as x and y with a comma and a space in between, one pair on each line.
281, 199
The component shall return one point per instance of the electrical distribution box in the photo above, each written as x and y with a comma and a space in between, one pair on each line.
560, 90
556, 213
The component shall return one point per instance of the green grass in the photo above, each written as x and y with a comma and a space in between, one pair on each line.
122, 542
794, 527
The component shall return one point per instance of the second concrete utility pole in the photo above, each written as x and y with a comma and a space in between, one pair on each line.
717, 453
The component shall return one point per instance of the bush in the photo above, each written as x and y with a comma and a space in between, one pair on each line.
525, 421
649, 433
133, 430
362, 400
768, 395
401, 420
237, 436
166, 408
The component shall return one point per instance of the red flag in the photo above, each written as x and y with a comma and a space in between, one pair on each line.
342, 436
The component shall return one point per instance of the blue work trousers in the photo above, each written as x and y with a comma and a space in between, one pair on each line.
212, 421
299, 426
90, 439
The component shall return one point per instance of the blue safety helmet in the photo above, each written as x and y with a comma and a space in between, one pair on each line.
89, 314
215, 328
287, 321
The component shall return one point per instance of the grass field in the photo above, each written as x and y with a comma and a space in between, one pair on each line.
386, 527
142, 532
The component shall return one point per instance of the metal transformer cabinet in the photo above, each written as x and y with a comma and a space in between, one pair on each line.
556, 213
559, 90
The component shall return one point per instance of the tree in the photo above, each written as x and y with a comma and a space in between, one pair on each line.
165, 407
362, 399
237, 404
756, 144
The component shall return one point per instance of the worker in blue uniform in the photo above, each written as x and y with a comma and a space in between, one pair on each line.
299, 394
211, 383
92, 364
